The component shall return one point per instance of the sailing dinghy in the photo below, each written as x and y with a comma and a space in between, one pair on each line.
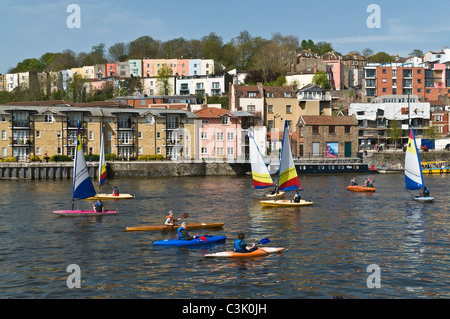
82, 184
102, 176
287, 176
260, 173
413, 169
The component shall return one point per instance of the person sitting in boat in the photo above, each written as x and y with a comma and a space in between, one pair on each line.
297, 197
241, 247
170, 219
98, 207
369, 183
116, 191
353, 182
275, 189
183, 234
426, 192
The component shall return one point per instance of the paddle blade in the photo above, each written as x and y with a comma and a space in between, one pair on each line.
265, 241
203, 238
185, 215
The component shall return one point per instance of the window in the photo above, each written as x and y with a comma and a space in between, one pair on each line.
58, 134
288, 109
91, 135
204, 150
158, 135
139, 150
384, 80
38, 134
3, 135
204, 135
149, 120
383, 71
48, 118
230, 151
225, 120
315, 129
158, 150
3, 119
4, 152
220, 151
252, 94
220, 136
140, 135
58, 151
230, 136
251, 108
269, 94
270, 108
38, 151
348, 129
332, 129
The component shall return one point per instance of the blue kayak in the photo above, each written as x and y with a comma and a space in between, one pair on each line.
205, 239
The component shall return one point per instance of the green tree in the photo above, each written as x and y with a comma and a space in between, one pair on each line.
163, 80
394, 131
76, 89
381, 57
32, 65
118, 52
143, 47
416, 52
321, 79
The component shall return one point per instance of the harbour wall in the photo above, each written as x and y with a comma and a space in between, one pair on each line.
396, 160
63, 170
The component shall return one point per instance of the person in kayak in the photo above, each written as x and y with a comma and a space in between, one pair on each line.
170, 220
98, 207
183, 234
116, 191
241, 247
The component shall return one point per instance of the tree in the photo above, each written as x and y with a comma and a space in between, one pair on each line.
118, 52
381, 57
32, 65
129, 86
367, 52
321, 79
76, 89
163, 80
416, 53
212, 47
143, 47
394, 131
268, 61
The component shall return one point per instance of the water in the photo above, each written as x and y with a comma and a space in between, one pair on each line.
328, 245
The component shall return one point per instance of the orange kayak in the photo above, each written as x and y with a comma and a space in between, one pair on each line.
360, 189
261, 251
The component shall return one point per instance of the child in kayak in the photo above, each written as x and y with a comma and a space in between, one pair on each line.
241, 247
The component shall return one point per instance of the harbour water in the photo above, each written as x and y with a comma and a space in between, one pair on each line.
329, 246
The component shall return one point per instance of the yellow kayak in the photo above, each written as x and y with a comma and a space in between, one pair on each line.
284, 203
111, 196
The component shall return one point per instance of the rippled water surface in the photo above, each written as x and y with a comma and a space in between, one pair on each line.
328, 245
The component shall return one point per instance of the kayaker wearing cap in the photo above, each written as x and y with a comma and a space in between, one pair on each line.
240, 246
182, 232
170, 219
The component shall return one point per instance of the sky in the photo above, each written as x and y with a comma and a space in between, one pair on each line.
31, 28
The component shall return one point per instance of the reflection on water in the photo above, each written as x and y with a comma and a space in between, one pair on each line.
328, 245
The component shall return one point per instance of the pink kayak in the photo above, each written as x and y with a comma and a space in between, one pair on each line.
79, 212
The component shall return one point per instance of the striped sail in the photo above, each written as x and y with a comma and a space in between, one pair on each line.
102, 165
413, 171
260, 173
82, 183
287, 174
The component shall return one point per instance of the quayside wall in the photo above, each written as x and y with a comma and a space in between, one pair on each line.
63, 170
396, 160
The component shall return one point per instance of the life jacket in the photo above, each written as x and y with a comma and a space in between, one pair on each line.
171, 218
116, 191
237, 247
98, 207
179, 233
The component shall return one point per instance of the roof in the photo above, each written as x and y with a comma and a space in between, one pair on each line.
212, 112
327, 120
311, 87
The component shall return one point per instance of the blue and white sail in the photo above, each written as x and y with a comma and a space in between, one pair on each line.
413, 170
260, 172
82, 183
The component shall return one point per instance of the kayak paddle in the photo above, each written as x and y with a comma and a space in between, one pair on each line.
185, 215
264, 241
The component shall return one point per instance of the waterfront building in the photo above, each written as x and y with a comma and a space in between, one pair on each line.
51, 129
195, 67
110, 69
223, 134
148, 68
100, 71
183, 67
12, 81
135, 67
123, 69
375, 118
327, 136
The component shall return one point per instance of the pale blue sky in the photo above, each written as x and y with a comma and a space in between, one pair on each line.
34, 27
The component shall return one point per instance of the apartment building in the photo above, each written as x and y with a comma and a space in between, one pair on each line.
129, 133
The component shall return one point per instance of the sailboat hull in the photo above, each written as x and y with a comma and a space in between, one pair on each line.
423, 199
79, 212
284, 203
111, 196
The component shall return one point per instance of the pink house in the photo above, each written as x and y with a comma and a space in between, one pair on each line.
220, 134
148, 68
183, 67
111, 69
338, 73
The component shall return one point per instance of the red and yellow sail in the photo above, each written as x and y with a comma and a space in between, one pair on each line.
287, 174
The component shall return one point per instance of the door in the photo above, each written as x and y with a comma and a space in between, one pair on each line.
348, 149
315, 149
